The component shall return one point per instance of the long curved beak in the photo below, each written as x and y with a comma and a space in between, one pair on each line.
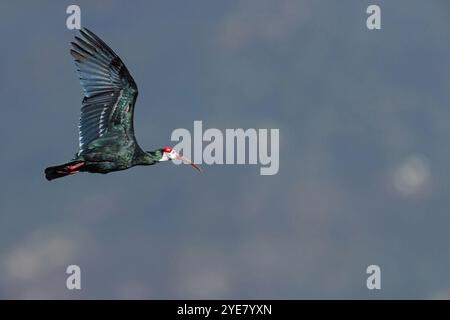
180, 157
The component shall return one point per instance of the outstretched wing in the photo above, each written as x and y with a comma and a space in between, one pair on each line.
109, 92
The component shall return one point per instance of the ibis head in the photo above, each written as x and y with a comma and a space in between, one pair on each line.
169, 154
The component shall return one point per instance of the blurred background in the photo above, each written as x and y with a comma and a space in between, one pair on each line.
364, 152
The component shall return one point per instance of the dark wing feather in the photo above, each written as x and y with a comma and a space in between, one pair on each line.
109, 91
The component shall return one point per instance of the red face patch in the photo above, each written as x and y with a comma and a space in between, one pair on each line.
167, 149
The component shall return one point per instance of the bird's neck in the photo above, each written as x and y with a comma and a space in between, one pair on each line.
149, 157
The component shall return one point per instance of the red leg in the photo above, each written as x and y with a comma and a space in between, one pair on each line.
74, 167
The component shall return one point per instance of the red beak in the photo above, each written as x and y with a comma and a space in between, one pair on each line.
180, 157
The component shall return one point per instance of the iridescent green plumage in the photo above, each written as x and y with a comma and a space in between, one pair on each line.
106, 131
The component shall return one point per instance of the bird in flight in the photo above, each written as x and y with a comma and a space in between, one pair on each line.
106, 133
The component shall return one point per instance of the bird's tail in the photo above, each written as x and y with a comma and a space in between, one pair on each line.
63, 170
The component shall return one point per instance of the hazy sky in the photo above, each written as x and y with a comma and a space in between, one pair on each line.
364, 119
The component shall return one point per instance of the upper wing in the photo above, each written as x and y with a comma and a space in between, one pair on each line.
109, 91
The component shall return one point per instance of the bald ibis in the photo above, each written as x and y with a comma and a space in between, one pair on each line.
106, 134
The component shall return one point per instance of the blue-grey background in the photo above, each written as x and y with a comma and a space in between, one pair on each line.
364, 119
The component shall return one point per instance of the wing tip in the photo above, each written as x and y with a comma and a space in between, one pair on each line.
76, 55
